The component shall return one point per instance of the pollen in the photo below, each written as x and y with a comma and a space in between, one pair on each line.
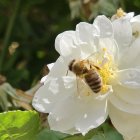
104, 49
107, 73
120, 13
104, 89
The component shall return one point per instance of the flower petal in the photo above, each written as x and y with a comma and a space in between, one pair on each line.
43, 79
59, 68
50, 65
122, 33
87, 50
85, 33
126, 123
131, 55
83, 114
134, 138
95, 114
123, 105
64, 116
129, 78
128, 95
65, 44
135, 19
129, 16
71, 131
60, 44
110, 45
53, 92
104, 26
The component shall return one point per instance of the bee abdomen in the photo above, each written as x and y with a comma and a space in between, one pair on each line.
94, 81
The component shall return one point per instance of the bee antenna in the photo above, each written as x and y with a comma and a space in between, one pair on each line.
71, 64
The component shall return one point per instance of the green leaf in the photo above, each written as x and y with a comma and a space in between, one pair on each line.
47, 134
109, 133
18, 125
104, 132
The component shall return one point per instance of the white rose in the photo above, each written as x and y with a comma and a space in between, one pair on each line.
77, 109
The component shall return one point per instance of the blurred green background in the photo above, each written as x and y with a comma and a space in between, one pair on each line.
28, 29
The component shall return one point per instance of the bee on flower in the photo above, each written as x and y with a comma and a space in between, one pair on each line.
90, 80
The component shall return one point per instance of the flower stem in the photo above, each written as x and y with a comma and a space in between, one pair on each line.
8, 33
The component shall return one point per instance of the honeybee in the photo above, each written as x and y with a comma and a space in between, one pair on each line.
87, 70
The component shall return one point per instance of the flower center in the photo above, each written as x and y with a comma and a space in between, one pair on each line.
107, 69
120, 13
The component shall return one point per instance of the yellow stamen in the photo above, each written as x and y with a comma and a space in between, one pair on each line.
104, 89
120, 13
104, 49
107, 73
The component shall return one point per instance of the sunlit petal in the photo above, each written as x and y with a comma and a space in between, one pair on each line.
52, 92
85, 33
135, 19
130, 57
126, 123
66, 113
128, 95
95, 114
129, 78
110, 45
43, 79
134, 138
56, 71
65, 44
123, 105
104, 26
122, 33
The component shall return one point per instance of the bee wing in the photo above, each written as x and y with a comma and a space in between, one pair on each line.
93, 60
78, 85
93, 57
82, 87
96, 60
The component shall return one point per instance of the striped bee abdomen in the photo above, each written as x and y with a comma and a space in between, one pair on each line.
93, 80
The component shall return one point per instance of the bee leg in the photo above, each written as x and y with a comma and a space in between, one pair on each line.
78, 93
67, 72
90, 66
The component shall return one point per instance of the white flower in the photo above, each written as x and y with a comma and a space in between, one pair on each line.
72, 106
125, 103
45, 77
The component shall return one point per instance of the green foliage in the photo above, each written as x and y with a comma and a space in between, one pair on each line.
24, 125
18, 125
47, 134
104, 132
34, 26
90, 9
